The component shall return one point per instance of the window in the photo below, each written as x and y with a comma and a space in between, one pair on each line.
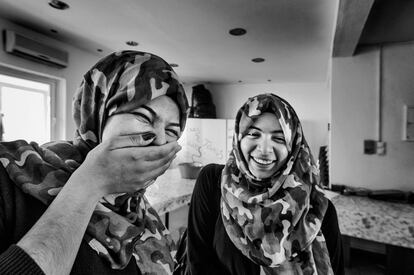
26, 107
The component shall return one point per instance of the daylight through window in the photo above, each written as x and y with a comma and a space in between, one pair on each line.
25, 109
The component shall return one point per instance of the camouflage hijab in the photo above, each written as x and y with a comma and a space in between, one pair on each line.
275, 222
123, 226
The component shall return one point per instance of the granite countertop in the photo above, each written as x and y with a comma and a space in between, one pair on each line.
170, 191
360, 217
375, 220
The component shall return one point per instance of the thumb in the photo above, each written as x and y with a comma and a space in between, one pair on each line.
133, 140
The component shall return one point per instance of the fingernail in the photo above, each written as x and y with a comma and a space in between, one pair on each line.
148, 136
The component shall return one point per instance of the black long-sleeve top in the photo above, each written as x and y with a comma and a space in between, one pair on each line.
210, 250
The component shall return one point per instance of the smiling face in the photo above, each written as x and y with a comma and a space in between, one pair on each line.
160, 116
264, 147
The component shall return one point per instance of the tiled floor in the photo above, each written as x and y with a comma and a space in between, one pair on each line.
366, 263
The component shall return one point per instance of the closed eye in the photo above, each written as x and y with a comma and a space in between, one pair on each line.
172, 132
253, 134
142, 117
279, 139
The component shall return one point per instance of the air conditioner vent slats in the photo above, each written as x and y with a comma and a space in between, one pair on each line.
23, 46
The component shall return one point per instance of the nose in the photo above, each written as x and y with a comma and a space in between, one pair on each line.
160, 137
265, 146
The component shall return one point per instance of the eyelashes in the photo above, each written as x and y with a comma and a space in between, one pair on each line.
143, 118
173, 132
277, 138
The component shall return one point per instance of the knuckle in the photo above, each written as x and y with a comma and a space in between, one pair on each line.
135, 140
108, 144
135, 157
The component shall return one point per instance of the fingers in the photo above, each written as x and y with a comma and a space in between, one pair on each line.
127, 141
130, 142
157, 171
165, 161
151, 153
163, 151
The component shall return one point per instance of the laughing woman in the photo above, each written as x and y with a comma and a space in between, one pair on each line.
263, 212
78, 206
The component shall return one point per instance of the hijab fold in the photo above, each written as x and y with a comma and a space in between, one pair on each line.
122, 226
275, 222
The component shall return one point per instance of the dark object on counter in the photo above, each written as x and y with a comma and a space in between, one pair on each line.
202, 105
389, 195
355, 191
189, 170
337, 188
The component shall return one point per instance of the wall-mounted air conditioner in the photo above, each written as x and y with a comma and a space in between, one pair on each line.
23, 46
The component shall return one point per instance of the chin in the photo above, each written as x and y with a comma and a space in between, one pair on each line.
262, 174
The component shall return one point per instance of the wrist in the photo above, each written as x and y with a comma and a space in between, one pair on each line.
85, 187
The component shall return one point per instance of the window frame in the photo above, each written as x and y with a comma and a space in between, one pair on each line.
55, 130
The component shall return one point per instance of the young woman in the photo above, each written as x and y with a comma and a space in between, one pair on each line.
78, 206
263, 212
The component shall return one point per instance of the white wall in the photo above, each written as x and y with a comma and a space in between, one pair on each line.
355, 89
79, 62
310, 101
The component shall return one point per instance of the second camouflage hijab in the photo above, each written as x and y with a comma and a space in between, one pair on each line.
275, 222
123, 226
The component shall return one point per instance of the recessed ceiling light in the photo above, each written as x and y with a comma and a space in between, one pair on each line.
53, 30
99, 50
57, 4
258, 60
132, 43
237, 31
174, 65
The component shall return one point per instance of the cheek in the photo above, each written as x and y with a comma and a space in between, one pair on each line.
245, 147
170, 138
282, 152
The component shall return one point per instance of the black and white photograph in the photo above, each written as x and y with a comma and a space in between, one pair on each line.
206, 137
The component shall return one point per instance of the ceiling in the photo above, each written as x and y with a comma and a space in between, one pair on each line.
389, 22
372, 22
295, 37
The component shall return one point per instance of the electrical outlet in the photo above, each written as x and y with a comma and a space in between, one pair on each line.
381, 147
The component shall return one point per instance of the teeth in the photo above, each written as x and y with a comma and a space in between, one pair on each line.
263, 161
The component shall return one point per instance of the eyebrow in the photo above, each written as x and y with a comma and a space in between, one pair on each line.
154, 114
273, 132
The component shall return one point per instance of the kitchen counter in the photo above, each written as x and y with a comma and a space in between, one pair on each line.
170, 192
359, 217
377, 226
375, 220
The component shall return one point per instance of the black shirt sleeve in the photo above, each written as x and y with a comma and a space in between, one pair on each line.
333, 238
13, 259
201, 222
